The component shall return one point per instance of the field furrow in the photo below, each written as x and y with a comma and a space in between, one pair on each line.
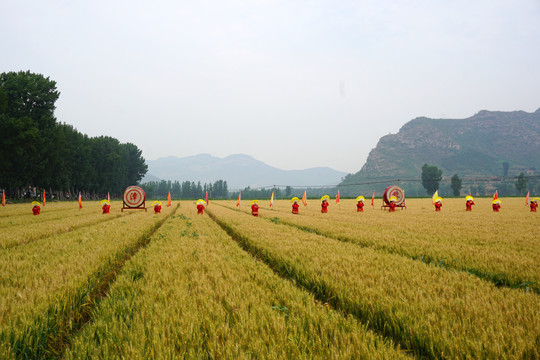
14, 214
193, 293
498, 247
433, 311
24, 234
49, 286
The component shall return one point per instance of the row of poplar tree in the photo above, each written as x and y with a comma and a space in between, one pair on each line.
37, 152
186, 189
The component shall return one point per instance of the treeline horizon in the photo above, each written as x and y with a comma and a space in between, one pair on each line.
219, 190
38, 152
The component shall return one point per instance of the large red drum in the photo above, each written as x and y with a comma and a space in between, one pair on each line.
134, 197
395, 191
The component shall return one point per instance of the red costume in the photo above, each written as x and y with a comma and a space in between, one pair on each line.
469, 205
106, 208
36, 210
157, 209
200, 209
324, 207
392, 207
295, 207
360, 206
438, 206
496, 207
534, 206
255, 210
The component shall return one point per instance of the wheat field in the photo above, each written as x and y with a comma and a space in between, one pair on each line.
343, 285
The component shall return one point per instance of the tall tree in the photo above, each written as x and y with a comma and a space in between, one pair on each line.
522, 184
455, 184
431, 177
36, 150
506, 166
133, 163
30, 95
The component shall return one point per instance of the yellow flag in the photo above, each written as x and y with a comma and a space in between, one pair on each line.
436, 195
272, 199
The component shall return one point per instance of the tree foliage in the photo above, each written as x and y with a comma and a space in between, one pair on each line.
431, 177
455, 184
522, 184
186, 189
506, 166
38, 151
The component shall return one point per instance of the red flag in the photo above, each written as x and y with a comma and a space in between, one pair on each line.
80, 201
44, 198
108, 198
239, 199
496, 195
206, 198
373, 199
337, 197
169, 199
526, 199
4, 198
304, 199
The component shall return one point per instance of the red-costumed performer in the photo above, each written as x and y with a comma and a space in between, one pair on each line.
255, 208
360, 204
534, 204
496, 205
392, 204
201, 204
470, 202
438, 204
36, 208
105, 206
324, 204
157, 207
295, 205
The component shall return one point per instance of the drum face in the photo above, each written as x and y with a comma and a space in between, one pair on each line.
396, 192
134, 197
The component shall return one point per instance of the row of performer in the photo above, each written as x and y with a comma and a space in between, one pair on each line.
201, 205
437, 202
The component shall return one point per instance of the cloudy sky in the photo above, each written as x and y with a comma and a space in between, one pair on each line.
295, 84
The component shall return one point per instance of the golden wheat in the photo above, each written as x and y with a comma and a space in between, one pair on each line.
435, 311
501, 247
194, 294
45, 275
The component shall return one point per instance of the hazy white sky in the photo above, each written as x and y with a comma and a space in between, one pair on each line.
295, 84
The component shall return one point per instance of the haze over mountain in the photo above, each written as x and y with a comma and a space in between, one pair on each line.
473, 147
238, 170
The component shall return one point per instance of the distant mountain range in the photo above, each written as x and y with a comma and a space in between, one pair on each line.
473, 147
238, 170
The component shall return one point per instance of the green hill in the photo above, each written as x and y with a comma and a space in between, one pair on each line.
475, 147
